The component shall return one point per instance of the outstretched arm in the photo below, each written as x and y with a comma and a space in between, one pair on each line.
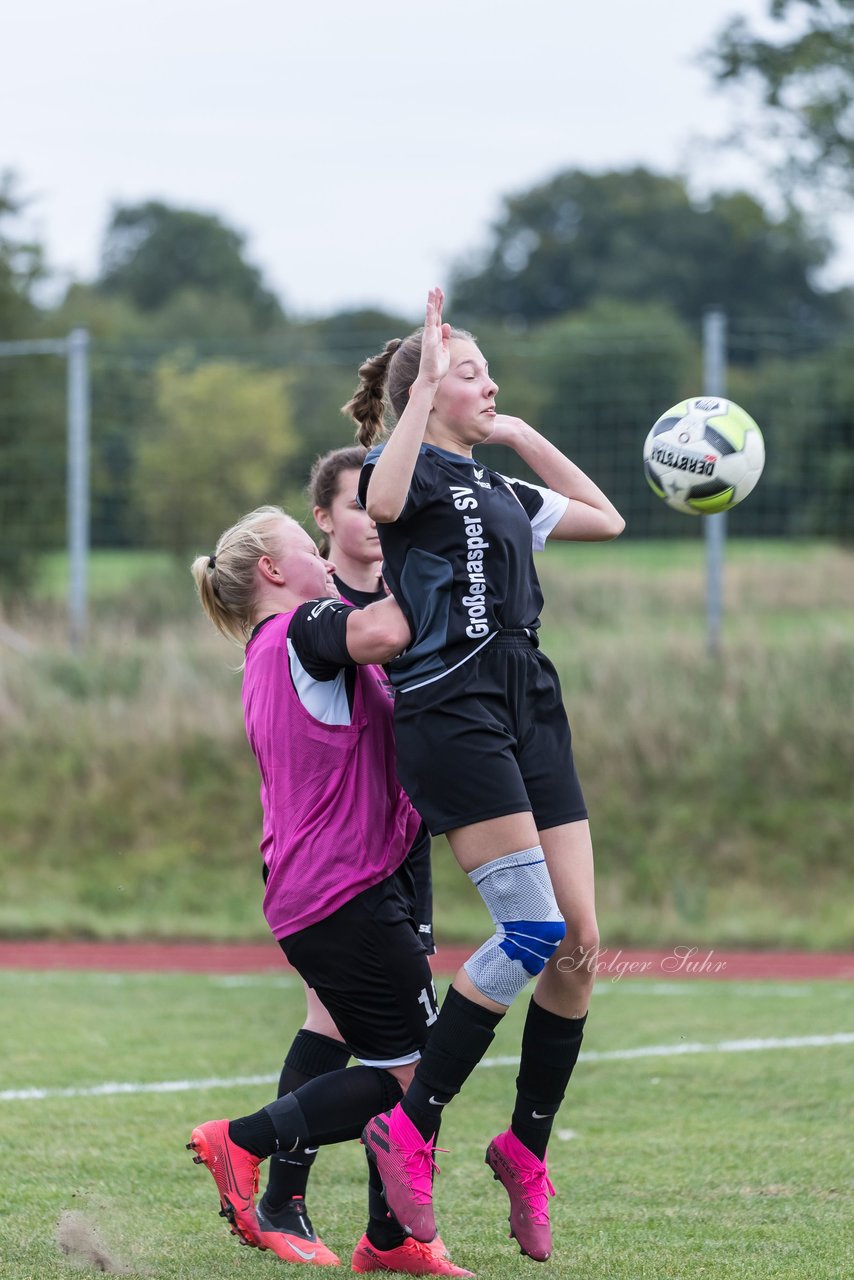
391, 475
590, 516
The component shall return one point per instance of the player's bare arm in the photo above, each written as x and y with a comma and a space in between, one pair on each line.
391, 475
378, 632
590, 516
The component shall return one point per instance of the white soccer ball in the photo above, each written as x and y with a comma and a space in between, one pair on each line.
704, 455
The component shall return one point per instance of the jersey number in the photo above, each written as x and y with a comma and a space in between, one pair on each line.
431, 1004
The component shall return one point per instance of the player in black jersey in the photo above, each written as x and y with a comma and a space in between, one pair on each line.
349, 540
483, 744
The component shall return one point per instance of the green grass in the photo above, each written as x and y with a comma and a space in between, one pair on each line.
719, 786
715, 1165
110, 573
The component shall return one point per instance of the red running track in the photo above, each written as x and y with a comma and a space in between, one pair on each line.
612, 963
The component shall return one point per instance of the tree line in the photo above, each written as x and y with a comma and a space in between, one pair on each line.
208, 396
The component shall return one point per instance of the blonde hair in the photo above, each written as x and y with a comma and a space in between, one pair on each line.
384, 382
225, 581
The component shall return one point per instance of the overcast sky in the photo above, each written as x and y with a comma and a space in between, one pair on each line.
360, 145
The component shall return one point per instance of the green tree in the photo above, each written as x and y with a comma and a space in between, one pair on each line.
32, 427
355, 334
22, 267
108, 318
805, 404
639, 237
154, 254
325, 355
804, 75
218, 447
605, 375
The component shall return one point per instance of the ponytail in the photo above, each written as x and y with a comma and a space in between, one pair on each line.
367, 405
225, 581
384, 382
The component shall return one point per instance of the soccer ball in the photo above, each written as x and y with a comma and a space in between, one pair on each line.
704, 455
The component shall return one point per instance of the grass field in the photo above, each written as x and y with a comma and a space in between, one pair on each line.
677, 1164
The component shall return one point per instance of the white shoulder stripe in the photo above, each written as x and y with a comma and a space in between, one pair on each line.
554, 505
326, 700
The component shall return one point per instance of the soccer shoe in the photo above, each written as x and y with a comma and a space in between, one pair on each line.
404, 1161
527, 1183
289, 1234
412, 1258
235, 1172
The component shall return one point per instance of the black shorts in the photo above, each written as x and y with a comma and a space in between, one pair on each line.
490, 739
416, 876
368, 966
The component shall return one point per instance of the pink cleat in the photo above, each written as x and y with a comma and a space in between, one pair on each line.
404, 1161
288, 1233
235, 1172
527, 1183
412, 1258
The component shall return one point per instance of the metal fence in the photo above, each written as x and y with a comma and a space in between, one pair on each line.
102, 443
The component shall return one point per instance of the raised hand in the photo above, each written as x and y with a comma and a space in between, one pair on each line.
435, 340
392, 472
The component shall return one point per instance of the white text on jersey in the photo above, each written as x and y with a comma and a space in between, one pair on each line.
464, 500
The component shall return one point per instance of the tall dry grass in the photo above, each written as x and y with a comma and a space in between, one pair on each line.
719, 786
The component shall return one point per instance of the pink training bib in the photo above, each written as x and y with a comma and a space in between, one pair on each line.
336, 820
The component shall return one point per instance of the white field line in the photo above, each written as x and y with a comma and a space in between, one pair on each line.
682, 1049
160, 1086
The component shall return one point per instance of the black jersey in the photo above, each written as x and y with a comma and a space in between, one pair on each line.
359, 598
458, 559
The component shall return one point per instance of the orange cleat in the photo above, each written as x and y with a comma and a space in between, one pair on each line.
412, 1258
235, 1172
288, 1233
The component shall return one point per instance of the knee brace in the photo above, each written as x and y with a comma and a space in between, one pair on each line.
528, 925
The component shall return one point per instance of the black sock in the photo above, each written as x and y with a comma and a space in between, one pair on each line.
460, 1037
267, 1131
287, 1177
550, 1047
311, 1055
255, 1133
384, 1231
333, 1108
